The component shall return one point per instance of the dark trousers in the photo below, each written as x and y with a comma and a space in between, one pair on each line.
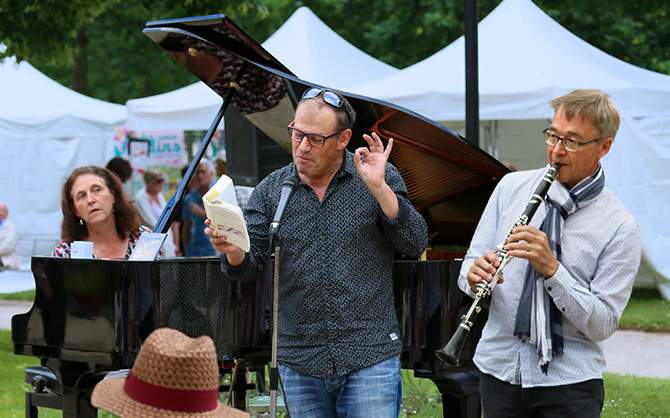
501, 399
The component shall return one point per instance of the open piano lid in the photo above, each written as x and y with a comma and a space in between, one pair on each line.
449, 180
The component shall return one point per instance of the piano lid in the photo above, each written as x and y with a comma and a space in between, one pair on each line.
449, 180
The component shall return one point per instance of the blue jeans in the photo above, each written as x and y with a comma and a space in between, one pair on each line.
373, 392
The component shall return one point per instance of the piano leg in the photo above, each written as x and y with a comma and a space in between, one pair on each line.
460, 394
77, 403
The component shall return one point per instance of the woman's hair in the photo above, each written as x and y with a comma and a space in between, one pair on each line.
121, 168
151, 175
125, 214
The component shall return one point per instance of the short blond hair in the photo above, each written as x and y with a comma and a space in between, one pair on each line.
592, 105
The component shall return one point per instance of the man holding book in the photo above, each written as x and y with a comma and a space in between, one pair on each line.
338, 337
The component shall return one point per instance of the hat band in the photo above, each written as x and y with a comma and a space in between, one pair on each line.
171, 399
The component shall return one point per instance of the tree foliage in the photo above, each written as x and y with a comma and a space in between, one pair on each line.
96, 46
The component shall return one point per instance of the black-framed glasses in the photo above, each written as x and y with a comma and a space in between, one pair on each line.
316, 140
160, 180
329, 96
569, 144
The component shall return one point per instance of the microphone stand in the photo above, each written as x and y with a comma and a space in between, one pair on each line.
274, 371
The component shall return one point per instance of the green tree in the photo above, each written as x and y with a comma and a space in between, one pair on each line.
96, 46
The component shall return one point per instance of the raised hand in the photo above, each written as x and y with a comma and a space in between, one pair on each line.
371, 162
371, 167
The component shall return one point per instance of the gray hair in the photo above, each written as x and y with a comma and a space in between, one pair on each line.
592, 105
208, 163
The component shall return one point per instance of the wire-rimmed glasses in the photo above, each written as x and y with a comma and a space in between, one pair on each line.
569, 144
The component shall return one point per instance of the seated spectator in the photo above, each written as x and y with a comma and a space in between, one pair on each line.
95, 208
9, 241
174, 376
121, 167
150, 203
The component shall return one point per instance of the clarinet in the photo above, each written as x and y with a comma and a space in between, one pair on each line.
451, 352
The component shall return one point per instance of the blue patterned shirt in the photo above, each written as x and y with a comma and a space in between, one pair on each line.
336, 306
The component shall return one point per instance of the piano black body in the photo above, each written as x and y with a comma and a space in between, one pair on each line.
90, 316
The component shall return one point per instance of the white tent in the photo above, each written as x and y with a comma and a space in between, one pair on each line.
304, 44
189, 108
46, 130
525, 60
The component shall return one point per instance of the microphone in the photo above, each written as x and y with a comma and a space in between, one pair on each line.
287, 190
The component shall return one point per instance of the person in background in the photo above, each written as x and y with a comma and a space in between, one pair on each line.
150, 203
174, 376
242, 193
9, 241
220, 163
121, 167
95, 208
541, 352
193, 212
338, 339
178, 212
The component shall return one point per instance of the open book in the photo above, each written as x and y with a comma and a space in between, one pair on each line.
227, 218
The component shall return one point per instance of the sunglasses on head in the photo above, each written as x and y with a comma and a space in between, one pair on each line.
329, 97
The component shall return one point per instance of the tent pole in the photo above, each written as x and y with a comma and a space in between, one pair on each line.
471, 72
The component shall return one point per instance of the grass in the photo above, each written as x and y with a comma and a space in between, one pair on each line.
625, 396
28, 295
646, 311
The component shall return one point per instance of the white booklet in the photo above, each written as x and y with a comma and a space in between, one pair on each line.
227, 218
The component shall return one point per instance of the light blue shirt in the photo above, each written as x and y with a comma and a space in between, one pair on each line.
601, 251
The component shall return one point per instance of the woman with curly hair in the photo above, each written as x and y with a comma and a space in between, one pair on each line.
96, 209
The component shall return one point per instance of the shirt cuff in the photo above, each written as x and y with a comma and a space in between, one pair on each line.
235, 272
558, 286
391, 225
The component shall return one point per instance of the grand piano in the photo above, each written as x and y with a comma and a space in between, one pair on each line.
90, 317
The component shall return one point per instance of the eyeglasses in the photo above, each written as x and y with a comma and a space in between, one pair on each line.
569, 144
329, 97
315, 140
160, 180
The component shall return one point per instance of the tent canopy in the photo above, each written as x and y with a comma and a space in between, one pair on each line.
46, 130
304, 44
189, 108
525, 60
32, 102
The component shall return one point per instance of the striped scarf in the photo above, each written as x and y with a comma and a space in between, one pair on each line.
538, 320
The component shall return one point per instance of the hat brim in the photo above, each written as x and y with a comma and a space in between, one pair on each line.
109, 395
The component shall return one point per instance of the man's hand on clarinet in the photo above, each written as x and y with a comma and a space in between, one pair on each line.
530, 243
483, 270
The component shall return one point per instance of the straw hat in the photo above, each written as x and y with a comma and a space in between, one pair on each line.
174, 376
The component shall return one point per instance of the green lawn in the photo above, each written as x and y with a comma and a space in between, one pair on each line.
625, 396
646, 311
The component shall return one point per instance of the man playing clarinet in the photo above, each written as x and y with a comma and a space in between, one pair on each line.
541, 354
